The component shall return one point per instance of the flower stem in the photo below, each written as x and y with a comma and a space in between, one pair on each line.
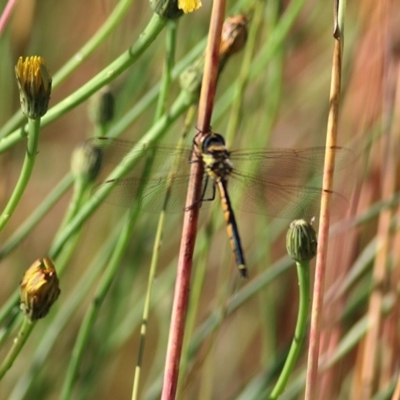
303, 273
18, 343
26, 172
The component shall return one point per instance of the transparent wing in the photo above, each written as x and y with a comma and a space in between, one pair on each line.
151, 194
268, 190
289, 163
277, 199
153, 161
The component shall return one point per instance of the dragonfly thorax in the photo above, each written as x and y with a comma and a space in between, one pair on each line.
216, 157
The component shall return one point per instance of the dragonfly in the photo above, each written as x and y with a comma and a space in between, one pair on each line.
257, 181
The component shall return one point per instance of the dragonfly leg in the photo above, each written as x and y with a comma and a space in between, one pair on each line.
203, 193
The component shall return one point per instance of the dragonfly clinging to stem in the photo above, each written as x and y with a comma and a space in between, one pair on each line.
264, 180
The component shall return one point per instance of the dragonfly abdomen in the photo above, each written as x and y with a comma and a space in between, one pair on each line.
231, 226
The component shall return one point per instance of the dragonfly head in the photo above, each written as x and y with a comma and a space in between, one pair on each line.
212, 142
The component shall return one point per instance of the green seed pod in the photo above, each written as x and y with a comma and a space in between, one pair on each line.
86, 161
191, 78
34, 83
301, 241
39, 289
101, 106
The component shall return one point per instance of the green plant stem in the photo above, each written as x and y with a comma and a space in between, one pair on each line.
303, 274
68, 249
63, 317
22, 232
269, 50
168, 68
165, 86
70, 66
19, 342
235, 114
93, 311
180, 105
26, 172
147, 303
104, 77
79, 196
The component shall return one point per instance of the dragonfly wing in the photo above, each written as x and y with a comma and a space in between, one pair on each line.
277, 199
147, 159
154, 195
289, 163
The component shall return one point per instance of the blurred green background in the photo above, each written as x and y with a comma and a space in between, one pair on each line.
241, 328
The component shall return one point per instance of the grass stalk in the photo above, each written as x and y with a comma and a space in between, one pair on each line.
165, 86
323, 230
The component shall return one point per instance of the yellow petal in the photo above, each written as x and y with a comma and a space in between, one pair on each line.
189, 6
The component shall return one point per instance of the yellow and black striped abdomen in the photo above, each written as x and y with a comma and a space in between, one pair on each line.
231, 226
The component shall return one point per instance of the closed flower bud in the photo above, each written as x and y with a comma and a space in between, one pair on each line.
234, 35
190, 79
39, 289
34, 83
101, 106
301, 241
86, 161
233, 39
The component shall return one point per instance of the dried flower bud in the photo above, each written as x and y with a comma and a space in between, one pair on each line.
39, 289
34, 84
301, 241
86, 161
234, 35
233, 38
101, 106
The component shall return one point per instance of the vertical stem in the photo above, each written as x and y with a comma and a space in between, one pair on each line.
182, 284
323, 235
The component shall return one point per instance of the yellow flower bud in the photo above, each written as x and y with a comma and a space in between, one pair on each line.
39, 289
34, 84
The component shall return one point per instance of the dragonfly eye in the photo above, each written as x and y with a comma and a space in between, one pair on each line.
214, 139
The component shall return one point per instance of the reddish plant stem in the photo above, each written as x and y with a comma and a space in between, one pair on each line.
5, 17
182, 284
323, 230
